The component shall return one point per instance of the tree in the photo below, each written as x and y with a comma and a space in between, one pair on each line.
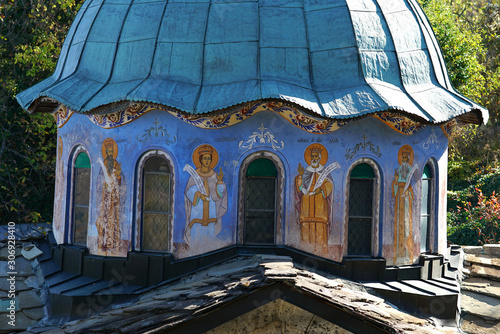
31, 35
469, 35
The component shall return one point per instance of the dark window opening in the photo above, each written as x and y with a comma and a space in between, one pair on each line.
425, 210
260, 202
81, 198
156, 203
360, 220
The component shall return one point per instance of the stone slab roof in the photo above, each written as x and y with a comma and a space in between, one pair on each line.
335, 59
201, 301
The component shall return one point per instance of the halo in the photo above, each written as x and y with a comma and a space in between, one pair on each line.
324, 153
196, 159
400, 154
115, 147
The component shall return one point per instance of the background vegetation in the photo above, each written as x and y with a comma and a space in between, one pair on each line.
469, 35
31, 35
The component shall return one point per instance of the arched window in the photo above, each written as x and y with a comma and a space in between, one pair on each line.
361, 210
81, 196
260, 202
426, 209
156, 204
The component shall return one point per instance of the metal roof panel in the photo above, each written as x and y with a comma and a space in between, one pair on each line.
335, 69
211, 97
407, 39
147, 15
285, 64
129, 65
229, 62
281, 3
332, 57
312, 5
97, 61
329, 29
74, 91
181, 28
84, 25
242, 17
112, 92
381, 66
179, 62
73, 59
371, 31
275, 23
351, 102
107, 24
181, 95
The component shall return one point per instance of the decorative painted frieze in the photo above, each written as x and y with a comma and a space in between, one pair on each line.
399, 123
62, 115
132, 111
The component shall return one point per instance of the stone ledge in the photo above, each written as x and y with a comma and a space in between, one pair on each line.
472, 249
493, 249
485, 307
477, 325
483, 286
485, 271
489, 260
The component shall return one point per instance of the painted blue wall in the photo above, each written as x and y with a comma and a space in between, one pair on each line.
234, 146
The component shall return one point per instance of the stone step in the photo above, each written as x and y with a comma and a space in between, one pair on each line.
480, 305
493, 249
482, 286
472, 249
480, 270
489, 260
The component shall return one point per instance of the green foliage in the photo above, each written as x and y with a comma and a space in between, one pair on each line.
470, 224
462, 48
476, 224
469, 35
31, 35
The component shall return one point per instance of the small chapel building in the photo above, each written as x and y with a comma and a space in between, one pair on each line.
189, 129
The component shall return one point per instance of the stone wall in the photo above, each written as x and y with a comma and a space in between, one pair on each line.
278, 316
480, 299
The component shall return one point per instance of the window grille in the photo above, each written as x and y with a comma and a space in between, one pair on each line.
260, 202
156, 203
361, 192
425, 210
81, 197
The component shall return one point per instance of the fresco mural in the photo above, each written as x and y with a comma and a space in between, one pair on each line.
113, 189
206, 208
313, 192
60, 193
205, 198
402, 191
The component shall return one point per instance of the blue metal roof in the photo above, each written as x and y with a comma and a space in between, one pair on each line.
336, 58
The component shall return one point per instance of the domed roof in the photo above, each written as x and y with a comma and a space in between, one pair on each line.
335, 58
